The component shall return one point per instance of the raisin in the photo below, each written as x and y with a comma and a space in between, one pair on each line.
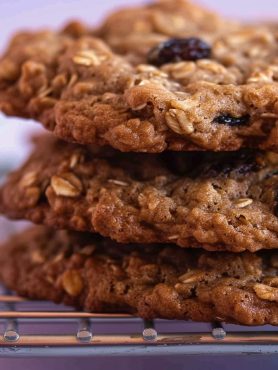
177, 50
226, 119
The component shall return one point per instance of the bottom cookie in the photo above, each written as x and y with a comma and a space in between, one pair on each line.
151, 281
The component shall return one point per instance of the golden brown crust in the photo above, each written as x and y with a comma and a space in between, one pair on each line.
149, 281
220, 201
102, 90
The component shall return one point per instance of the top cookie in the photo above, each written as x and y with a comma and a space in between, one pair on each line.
173, 77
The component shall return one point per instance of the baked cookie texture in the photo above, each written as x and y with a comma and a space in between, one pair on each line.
224, 201
151, 281
134, 30
133, 85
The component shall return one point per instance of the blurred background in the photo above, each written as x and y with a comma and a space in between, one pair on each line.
32, 14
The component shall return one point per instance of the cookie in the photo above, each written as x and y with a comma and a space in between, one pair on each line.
219, 201
174, 77
134, 30
152, 281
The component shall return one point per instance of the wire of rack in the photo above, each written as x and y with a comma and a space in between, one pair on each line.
27, 330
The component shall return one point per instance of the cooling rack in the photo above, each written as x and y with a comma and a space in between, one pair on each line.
32, 328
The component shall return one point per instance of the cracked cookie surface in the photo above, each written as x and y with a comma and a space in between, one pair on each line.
219, 201
153, 281
98, 86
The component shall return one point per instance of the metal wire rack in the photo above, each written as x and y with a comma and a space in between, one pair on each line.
32, 328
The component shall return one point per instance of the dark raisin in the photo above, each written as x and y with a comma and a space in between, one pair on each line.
226, 119
177, 50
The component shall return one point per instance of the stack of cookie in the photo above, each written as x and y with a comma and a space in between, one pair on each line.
158, 189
